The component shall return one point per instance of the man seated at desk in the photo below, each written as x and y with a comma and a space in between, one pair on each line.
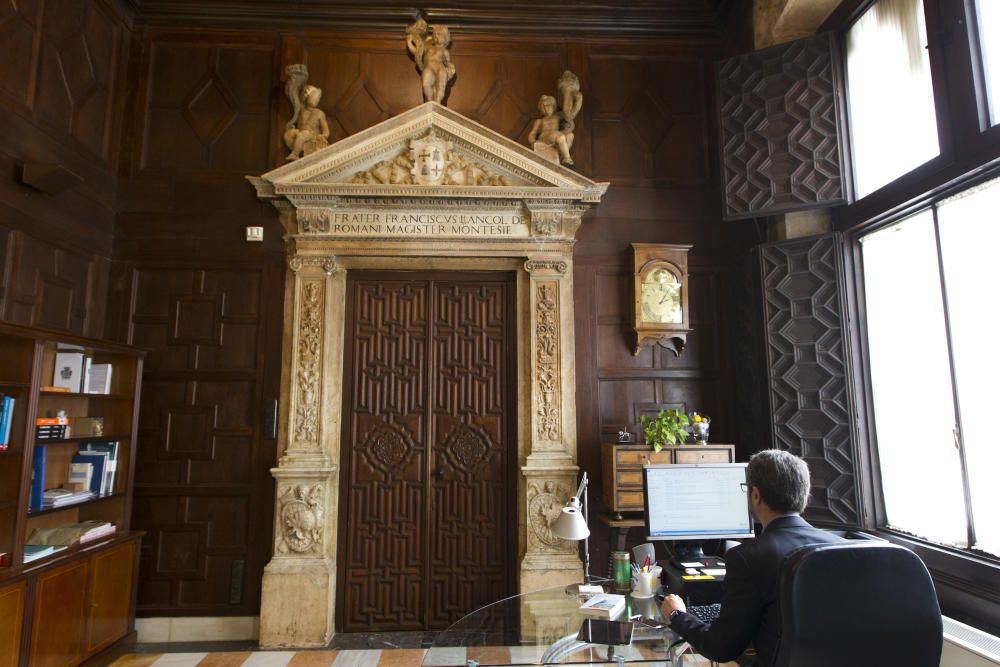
777, 490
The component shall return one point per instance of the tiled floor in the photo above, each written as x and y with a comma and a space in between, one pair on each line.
413, 657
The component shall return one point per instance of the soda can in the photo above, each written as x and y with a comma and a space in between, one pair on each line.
621, 570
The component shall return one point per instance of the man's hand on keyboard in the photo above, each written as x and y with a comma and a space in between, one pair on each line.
672, 603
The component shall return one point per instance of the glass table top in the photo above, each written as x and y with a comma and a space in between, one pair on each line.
541, 628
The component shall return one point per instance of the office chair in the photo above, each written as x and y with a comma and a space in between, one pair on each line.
857, 603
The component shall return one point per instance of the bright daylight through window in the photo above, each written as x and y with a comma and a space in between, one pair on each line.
988, 18
933, 363
890, 98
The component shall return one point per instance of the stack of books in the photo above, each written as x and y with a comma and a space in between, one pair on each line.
604, 605
51, 428
53, 498
70, 534
33, 552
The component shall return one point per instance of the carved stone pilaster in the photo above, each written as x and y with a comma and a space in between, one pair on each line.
548, 560
548, 381
308, 366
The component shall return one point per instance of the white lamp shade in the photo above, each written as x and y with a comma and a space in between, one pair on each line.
571, 525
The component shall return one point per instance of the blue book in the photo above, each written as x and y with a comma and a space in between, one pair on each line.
37, 478
6, 409
100, 463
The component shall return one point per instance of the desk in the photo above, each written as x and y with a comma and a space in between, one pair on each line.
540, 628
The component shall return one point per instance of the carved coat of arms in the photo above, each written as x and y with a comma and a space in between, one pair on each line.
430, 157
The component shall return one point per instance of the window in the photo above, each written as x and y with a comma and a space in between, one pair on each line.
931, 325
988, 21
890, 97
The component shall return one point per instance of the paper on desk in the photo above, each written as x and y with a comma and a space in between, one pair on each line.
714, 571
694, 564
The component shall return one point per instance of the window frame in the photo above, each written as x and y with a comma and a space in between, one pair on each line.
968, 582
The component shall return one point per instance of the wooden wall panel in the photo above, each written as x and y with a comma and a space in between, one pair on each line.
61, 67
646, 126
202, 488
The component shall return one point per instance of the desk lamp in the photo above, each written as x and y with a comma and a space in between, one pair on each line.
571, 524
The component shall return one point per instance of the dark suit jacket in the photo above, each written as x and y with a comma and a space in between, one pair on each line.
750, 594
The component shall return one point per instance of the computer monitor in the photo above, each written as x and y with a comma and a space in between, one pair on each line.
694, 502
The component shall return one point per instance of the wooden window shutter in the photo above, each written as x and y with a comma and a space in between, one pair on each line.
781, 129
809, 370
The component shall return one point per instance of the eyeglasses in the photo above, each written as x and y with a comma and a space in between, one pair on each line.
744, 486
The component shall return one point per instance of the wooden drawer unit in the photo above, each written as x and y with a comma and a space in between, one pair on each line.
621, 472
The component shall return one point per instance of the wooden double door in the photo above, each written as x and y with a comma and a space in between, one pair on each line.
428, 455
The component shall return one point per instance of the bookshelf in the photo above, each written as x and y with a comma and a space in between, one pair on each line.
54, 422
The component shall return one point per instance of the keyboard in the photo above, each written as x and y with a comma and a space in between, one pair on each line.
706, 613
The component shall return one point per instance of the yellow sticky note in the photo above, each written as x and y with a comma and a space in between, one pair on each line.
696, 577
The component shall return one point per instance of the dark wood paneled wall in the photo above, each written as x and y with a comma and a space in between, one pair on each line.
62, 70
207, 108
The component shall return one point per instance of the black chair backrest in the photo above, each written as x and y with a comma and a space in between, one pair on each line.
857, 603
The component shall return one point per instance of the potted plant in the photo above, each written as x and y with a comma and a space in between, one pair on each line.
669, 428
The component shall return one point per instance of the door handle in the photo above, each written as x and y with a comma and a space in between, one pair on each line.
439, 473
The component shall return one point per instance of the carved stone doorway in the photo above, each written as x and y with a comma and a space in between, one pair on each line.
428, 449
516, 213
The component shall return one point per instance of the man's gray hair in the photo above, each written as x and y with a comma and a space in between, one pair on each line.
782, 478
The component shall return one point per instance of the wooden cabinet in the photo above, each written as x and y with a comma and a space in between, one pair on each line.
79, 600
12, 613
621, 467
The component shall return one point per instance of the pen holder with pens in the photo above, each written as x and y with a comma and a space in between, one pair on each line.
646, 582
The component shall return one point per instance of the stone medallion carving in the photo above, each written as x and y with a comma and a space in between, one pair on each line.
545, 502
430, 160
386, 447
301, 512
309, 368
547, 360
466, 446
328, 264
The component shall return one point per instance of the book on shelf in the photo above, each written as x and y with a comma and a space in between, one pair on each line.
51, 421
68, 370
81, 474
37, 478
6, 419
603, 605
4, 559
98, 379
70, 534
99, 463
59, 497
33, 552
111, 464
52, 432
52, 388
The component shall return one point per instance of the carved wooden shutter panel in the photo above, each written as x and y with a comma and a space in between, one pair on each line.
809, 370
781, 129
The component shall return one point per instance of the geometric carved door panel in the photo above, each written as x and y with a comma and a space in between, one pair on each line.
427, 521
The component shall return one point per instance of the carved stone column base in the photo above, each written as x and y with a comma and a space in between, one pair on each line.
548, 570
297, 600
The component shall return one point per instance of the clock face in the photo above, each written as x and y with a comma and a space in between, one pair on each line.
661, 298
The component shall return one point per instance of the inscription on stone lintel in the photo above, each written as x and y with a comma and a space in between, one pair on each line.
493, 224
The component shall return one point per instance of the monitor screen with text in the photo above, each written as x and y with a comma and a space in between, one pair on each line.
697, 502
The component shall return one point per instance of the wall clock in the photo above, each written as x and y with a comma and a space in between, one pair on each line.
660, 283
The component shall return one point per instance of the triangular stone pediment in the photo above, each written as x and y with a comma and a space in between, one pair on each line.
428, 151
